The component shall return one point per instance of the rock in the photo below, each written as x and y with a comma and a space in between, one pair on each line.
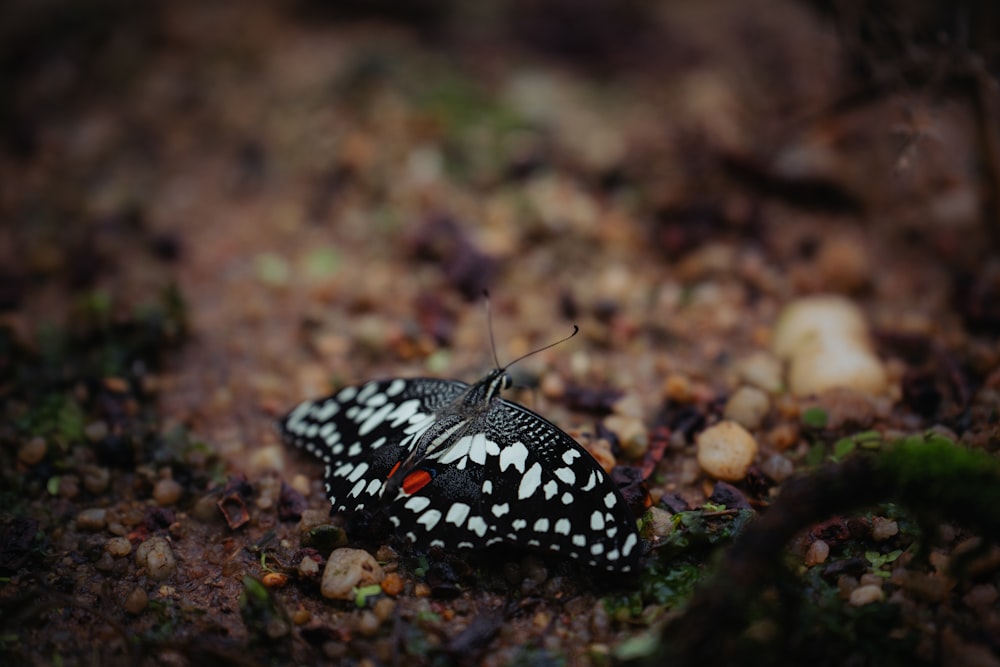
883, 529
94, 519
817, 553
167, 492
32, 452
761, 370
136, 601
726, 450
155, 556
866, 594
631, 434
95, 478
777, 467
347, 569
747, 406
826, 342
118, 547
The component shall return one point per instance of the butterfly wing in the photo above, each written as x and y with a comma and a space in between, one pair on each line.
515, 477
360, 433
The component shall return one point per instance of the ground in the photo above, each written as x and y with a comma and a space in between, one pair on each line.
212, 211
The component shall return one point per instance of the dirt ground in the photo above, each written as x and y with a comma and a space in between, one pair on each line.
212, 211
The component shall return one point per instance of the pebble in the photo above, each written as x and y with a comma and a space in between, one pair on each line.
118, 546
392, 584
817, 553
93, 519
761, 370
660, 521
783, 436
368, 623
95, 478
167, 492
747, 406
302, 484
136, 601
600, 449
274, 579
269, 458
835, 363
678, 388
826, 341
844, 262
631, 434
726, 450
384, 608
777, 467
155, 556
96, 431
32, 452
308, 567
311, 518
347, 569
866, 594
883, 529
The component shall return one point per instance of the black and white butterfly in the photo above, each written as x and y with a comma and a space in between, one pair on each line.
456, 466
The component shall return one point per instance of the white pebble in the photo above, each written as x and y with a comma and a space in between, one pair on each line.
817, 553
826, 341
747, 406
347, 569
883, 529
155, 556
726, 450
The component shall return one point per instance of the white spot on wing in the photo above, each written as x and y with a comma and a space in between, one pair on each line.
566, 475
417, 503
562, 526
630, 543
551, 489
478, 526
457, 514
513, 455
542, 525
347, 393
430, 518
375, 419
358, 472
396, 387
609, 500
530, 481
597, 520
499, 510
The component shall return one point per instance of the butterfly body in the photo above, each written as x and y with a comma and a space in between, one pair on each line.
456, 466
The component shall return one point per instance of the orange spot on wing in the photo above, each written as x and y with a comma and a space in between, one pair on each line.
416, 480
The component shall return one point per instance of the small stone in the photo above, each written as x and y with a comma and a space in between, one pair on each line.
783, 436
392, 584
817, 553
421, 590
96, 431
93, 519
726, 450
844, 262
883, 529
313, 518
155, 556
116, 384
761, 370
301, 616
866, 594
167, 492
777, 467
347, 569
274, 579
32, 452
835, 363
747, 406
69, 486
118, 547
368, 623
136, 601
600, 449
302, 484
810, 318
678, 388
95, 478
383, 609
631, 434
552, 386
270, 458
661, 522
308, 567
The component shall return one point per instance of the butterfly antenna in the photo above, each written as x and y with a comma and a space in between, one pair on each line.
489, 325
576, 330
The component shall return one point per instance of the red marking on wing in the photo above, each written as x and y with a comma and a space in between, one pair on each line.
416, 480
393, 471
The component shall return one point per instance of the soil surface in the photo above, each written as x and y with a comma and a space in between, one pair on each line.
213, 211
